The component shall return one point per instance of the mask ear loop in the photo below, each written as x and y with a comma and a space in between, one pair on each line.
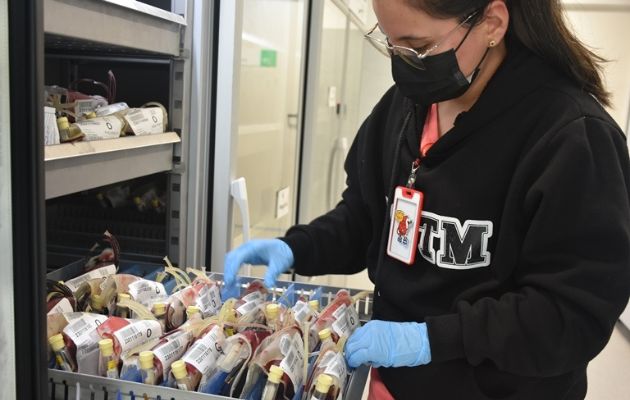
473, 76
465, 37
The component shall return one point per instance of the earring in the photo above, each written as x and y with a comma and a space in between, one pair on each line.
492, 43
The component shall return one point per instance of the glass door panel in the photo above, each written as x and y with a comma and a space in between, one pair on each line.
268, 109
322, 149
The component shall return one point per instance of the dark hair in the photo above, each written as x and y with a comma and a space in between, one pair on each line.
540, 26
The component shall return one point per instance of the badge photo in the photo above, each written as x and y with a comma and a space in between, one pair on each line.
403, 229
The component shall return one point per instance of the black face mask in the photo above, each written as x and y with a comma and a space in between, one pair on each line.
441, 80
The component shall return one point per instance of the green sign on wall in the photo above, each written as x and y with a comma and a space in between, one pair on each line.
268, 58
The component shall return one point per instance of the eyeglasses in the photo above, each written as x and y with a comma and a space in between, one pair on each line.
412, 56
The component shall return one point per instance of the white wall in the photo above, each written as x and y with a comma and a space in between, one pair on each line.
604, 25
606, 29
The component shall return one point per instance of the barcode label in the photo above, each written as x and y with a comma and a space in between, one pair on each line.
63, 306
137, 117
340, 327
247, 307
209, 300
339, 311
290, 358
137, 334
253, 296
79, 330
146, 121
302, 311
147, 292
73, 316
290, 342
103, 272
172, 351
205, 351
292, 365
337, 367
293, 361
101, 128
353, 318
285, 344
86, 348
84, 106
346, 322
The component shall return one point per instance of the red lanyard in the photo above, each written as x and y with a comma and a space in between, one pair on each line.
430, 135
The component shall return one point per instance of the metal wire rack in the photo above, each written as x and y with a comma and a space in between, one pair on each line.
74, 386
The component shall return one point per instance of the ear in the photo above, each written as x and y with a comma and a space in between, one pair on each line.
496, 21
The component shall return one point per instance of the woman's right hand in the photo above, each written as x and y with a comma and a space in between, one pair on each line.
274, 253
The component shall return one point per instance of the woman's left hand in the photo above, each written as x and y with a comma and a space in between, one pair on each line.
389, 344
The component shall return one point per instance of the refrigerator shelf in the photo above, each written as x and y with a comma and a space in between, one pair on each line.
73, 167
118, 24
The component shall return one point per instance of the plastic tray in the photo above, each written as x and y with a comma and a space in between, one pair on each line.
73, 386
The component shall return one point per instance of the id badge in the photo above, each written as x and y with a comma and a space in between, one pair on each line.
405, 221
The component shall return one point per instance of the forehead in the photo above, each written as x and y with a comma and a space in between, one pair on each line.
399, 21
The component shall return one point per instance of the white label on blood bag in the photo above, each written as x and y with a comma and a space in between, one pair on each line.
293, 362
172, 351
72, 316
63, 306
293, 366
87, 355
254, 296
101, 128
204, 353
79, 329
209, 300
302, 311
82, 332
346, 320
291, 341
147, 292
247, 307
137, 334
339, 311
353, 318
103, 272
84, 106
336, 366
145, 121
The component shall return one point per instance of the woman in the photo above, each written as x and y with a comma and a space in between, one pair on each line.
522, 257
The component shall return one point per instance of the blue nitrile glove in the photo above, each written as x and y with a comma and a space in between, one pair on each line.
389, 344
274, 253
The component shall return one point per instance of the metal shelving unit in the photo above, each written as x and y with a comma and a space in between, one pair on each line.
134, 32
128, 24
72, 167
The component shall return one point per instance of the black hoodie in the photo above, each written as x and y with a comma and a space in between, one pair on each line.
524, 257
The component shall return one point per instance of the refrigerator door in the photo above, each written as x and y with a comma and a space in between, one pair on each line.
259, 91
7, 345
